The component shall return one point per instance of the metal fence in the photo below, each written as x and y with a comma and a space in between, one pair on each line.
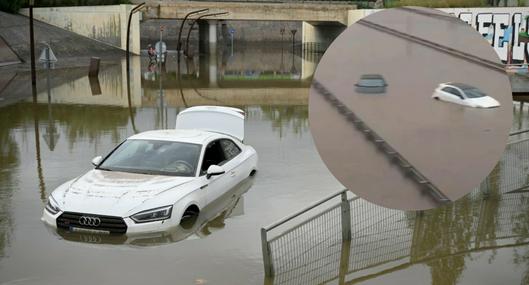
353, 235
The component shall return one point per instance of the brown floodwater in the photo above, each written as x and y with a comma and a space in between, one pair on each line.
45, 143
453, 146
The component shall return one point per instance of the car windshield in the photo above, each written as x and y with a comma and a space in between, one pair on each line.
371, 83
154, 157
474, 93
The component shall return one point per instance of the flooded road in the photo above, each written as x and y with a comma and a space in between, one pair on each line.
42, 145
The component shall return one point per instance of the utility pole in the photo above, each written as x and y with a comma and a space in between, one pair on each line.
32, 49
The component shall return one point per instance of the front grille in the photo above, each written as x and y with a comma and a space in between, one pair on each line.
108, 223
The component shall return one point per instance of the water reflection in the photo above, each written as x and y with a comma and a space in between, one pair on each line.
292, 117
449, 240
74, 113
76, 125
9, 159
211, 218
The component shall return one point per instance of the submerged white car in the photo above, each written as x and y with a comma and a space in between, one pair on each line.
464, 94
153, 180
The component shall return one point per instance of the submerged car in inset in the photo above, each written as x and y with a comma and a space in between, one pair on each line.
371, 84
464, 94
154, 180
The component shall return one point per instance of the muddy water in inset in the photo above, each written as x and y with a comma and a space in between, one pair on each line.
453, 146
77, 126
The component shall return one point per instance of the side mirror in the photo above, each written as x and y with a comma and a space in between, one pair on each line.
97, 160
214, 170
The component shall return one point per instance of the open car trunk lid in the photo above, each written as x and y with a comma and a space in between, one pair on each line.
225, 120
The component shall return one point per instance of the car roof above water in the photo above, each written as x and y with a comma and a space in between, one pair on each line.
372, 76
461, 86
178, 135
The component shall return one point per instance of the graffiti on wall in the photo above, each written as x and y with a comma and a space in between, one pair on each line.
501, 27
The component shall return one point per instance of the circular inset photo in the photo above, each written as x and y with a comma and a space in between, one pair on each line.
410, 108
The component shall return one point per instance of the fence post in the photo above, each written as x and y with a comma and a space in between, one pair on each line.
486, 192
346, 217
267, 255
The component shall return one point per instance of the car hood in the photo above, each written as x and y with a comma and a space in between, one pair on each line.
114, 193
485, 102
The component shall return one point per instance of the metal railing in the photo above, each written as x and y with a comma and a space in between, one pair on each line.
345, 227
392, 154
354, 235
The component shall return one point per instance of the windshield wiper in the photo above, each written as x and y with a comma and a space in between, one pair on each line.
105, 169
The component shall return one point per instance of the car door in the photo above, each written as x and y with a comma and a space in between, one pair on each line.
452, 95
216, 185
233, 164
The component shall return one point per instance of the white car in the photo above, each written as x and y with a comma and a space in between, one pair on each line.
154, 180
464, 94
212, 218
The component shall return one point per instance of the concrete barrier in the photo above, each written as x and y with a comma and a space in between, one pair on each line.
107, 24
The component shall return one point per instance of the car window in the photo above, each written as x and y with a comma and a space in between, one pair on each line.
374, 82
452, 91
231, 150
153, 157
213, 155
474, 93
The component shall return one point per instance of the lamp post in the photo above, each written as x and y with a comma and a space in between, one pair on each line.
134, 10
42, 186
293, 68
179, 43
186, 51
32, 48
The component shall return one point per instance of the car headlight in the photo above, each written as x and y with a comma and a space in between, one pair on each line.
156, 214
51, 206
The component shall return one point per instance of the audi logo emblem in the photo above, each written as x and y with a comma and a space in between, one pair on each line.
89, 221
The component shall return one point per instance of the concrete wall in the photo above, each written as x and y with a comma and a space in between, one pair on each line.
71, 49
245, 31
107, 24
321, 34
253, 11
112, 82
483, 19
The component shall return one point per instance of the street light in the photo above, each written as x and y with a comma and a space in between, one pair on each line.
134, 10
179, 43
186, 52
32, 48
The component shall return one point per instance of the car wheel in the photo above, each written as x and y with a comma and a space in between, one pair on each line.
189, 217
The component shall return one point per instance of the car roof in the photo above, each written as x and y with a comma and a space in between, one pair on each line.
371, 76
178, 135
461, 86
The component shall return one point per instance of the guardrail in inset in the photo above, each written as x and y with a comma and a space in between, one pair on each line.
382, 144
345, 226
